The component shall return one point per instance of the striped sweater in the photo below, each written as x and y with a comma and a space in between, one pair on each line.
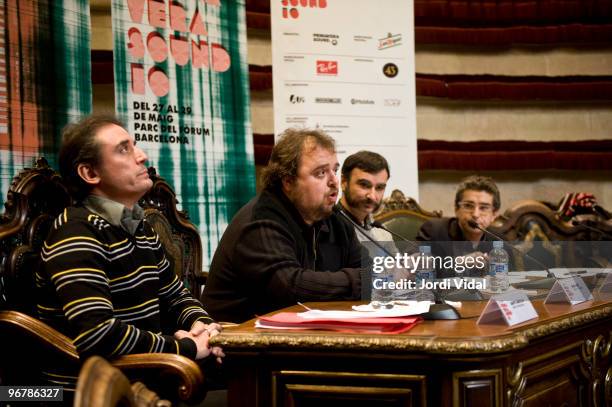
111, 292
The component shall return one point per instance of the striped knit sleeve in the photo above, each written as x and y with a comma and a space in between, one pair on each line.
179, 302
74, 263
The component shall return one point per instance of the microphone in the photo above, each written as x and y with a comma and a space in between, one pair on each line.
542, 283
588, 224
439, 310
359, 228
366, 289
379, 225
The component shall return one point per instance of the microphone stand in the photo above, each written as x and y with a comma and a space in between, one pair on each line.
359, 228
366, 293
602, 232
439, 310
547, 282
466, 295
379, 225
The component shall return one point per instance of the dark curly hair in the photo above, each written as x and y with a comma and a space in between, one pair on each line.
287, 154
367, 161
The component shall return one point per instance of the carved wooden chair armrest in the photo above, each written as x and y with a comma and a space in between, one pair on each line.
103, 385
184, 378
17, 326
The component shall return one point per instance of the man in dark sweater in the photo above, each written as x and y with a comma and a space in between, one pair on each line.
287, 245
477, 200
105, 280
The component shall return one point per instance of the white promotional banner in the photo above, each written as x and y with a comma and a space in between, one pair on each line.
347, 67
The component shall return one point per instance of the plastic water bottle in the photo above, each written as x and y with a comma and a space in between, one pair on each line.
425, 272
382, 295
498, 267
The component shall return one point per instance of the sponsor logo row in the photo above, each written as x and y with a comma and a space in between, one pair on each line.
388, 40
330, 68
387, 102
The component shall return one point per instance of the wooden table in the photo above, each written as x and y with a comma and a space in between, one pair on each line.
560, 359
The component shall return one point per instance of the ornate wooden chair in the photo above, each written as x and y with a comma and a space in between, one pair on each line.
515, 224
102, 385
35, 197
403, 215
537, 230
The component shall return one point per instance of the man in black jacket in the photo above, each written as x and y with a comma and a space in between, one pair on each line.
287, 245
477, 200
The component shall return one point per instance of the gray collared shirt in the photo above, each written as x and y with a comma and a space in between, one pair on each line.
115, 213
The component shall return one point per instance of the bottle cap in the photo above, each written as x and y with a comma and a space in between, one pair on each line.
498, 244
425, 249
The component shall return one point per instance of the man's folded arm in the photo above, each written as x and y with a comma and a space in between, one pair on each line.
75, 268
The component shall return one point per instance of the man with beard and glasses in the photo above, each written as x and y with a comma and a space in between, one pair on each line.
477, 200
287, 245
364, 180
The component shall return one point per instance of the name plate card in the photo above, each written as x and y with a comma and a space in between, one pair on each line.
511, 308
604, 292
570, 290
606, 285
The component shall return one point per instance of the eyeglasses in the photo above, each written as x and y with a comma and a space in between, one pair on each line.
471, 207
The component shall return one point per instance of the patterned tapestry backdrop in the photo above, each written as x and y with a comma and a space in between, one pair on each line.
45, 78
181, 87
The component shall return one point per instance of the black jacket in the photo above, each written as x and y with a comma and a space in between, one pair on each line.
446, 239
268, 258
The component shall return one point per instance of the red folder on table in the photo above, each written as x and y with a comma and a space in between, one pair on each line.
383, 325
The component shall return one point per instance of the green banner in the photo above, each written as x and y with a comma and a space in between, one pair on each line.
181, 87
45, 78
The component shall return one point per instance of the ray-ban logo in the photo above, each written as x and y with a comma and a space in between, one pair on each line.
327, 68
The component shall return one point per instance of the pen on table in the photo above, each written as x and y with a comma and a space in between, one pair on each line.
302, 305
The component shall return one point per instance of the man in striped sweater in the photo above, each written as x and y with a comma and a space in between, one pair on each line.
104, 280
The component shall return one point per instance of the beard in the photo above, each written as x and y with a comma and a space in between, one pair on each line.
360, 204
314, 213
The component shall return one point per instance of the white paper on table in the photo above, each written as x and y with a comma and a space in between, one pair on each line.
258, 324
519, 276
412, 308
565, 272
455, 304
402, 305
510, 289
